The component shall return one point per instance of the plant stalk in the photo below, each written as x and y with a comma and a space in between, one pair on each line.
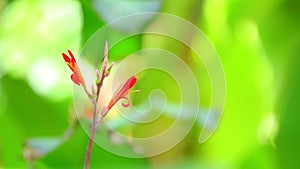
89, 148
88, 153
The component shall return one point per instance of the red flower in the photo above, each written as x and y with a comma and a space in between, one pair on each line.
71, 62
122, 92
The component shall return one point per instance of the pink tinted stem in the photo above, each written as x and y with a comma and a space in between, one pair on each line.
89, 148
88, 153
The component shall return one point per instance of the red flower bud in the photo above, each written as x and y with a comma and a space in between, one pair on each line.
71, 62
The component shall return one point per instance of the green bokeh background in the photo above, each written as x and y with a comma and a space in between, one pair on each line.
258, 43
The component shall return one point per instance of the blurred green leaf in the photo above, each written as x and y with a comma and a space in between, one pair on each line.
2, 5
280, 34
91, 21
288, 108
45, 32
26, 115
119, 43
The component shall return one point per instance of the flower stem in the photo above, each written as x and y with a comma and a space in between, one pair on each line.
89, 148
96, 121
91, 140
94, 124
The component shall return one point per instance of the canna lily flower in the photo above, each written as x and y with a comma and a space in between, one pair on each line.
76, 76
122, 92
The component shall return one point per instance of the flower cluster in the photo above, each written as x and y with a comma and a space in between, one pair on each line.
78, 79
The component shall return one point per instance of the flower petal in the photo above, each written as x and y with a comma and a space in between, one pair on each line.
131, 81
72, 56
70, 61
75, 79
66, 57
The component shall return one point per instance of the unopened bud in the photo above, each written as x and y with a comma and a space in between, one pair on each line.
105, 61
110, 66
107, 72
98, 76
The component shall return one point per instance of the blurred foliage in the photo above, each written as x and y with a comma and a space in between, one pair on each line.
258, 44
